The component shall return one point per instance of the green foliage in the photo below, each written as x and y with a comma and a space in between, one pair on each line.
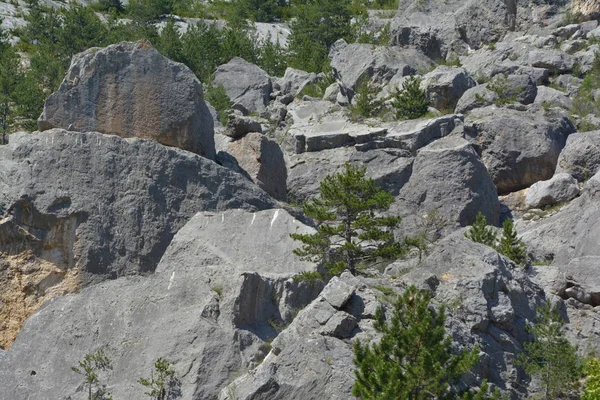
147, 10
108, 5
592, 380
272, 58
163, 382
479, 232
411, 102
550, 356
316, 26
499, 85
584, 103
261, 10
366, 104
217, 97
413, 360
310, 277
170, 44
350, 232
90, 367
510, 245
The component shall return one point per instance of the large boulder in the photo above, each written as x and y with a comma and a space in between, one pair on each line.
581, 156
77, 208
448, 176
247, 85
446, 85
131, 90
262, 160
476, 97
518, 148
549, 97
211, 308
294, 80
353, 62
560, 188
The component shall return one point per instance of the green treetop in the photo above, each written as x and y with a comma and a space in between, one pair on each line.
413, 360
351, 233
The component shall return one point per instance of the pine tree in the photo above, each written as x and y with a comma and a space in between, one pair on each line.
90, 367
414, 359
411, 102
550, 356
163, 383
480, 232
350, 233
366, 104
510, 245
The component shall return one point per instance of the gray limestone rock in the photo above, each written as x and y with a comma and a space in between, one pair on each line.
556, 61
446, 85
131, 90
581, 155
248, 86
352, 62
239, 125
125, 197
262, 160
518, 148
448, 176
476, 97
560, 188
549, 97
209, 309
294, 80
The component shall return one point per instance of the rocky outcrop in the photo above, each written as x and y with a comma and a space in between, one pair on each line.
581, 156
586, 7
353, 62
131, 90
477, 97
561, 188
247, 86
210, 308
518, 148
239, 125
448, 176
262, 160
446, 85
83, 207
488, 302
294, 80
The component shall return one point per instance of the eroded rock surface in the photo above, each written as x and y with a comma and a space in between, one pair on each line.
131, 90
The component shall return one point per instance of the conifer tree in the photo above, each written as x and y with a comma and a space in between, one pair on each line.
366, 104
413, 360
592, 380
411, 102
480, 232
550, 356
510, 245
90, 367
350, 232
163, 383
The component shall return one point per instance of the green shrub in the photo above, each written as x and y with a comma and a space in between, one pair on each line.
366, 104
217, 97
411, 102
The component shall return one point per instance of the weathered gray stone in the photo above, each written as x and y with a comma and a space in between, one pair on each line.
477, 97
352, 62
560, 188
556, 61
446, 85
337, 293
518, 148
262, 160
294, 80
549, 97
125, 198
581, 156
248, 86
449, 176
131, 90
202, 304
239, 125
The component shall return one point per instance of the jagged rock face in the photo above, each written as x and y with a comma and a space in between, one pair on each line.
131, 90
586, 7
203, 310
89, 206
518, 148
488, 302
248, 86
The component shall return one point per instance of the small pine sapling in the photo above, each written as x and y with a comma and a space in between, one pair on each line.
550, 356
90, 367
411, 102
592, 380
480, 232
510, 245
163, 383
